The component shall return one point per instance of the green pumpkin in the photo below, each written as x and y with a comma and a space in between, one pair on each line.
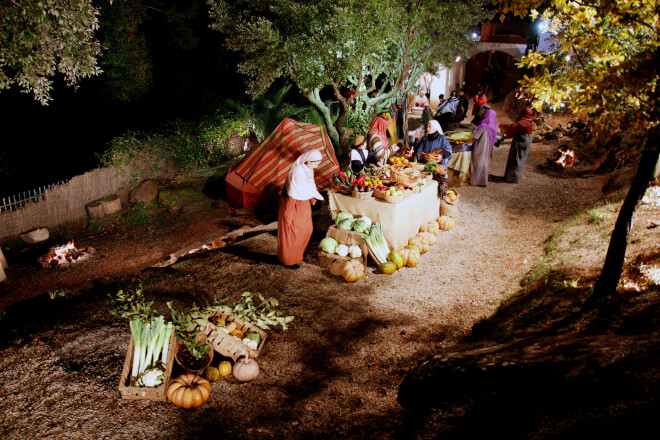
396, 258
388, 268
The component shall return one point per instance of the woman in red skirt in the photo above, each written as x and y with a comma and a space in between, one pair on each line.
294, 219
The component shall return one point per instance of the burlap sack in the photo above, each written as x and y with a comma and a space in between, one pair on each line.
449, 209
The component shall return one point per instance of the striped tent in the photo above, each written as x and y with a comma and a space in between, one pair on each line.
259, 178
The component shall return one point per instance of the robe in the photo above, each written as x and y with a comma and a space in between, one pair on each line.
521, 131
294, 229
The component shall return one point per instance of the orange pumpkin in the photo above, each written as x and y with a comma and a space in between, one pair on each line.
189, 391
410, 257
446, 223
421, 242
430, 238
353, 270
430, 227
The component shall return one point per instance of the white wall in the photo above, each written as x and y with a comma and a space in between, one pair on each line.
444, 81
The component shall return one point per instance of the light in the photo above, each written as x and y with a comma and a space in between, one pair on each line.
458, 58
475, 35
568, 57
542, 26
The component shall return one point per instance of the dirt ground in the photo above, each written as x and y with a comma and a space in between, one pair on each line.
335, 374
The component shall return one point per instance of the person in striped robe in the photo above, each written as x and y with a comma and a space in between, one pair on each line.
379, 143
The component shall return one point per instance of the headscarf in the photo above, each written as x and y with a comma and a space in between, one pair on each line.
489, 122
379, 128
300, 183
526, 119
437, 126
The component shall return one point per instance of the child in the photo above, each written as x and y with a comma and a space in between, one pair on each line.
360, 157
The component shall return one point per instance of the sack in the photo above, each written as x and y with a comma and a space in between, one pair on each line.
449, 209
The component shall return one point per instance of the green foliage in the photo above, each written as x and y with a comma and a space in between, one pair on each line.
188, 329
126, 62
181, 145
92, 225
129, 303
139, 215
58, 293
39, 39
552, 241
261, 313
596, 216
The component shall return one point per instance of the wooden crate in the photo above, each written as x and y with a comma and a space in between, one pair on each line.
228, 345
146, 393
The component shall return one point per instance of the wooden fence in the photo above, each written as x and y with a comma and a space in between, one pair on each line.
15, 201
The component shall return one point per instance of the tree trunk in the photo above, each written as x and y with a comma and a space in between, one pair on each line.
616, 252
315, 98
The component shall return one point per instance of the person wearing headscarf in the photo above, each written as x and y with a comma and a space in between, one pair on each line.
360, 157
379, 144
479, 101
434, 140
294, 219
446, 111
482, 146
521, 132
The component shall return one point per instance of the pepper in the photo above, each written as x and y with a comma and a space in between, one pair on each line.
342, 174
360, 180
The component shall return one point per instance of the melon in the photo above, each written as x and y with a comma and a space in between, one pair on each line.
395, 257
387, 268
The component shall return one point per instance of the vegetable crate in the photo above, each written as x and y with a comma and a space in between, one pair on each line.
228, 345
145, 393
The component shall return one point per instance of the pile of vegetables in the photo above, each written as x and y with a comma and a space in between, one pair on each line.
345, 221
330, 246
377, 244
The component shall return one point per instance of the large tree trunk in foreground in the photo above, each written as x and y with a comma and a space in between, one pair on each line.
554, 371
616, 252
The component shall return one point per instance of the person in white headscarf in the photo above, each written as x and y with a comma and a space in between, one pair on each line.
294, 219
433, 140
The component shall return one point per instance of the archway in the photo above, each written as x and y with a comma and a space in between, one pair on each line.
509, 73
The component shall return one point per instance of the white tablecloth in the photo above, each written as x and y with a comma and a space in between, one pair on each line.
400, 221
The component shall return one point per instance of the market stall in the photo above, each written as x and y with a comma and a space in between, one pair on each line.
399, 221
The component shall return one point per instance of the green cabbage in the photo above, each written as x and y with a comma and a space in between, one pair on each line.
329, 245
359, 226
343, 215
345, 224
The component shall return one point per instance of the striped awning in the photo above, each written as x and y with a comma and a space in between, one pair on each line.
268, 164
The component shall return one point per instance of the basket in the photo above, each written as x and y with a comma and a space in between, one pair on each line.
362, 195
228, 345
146, 393
379, 194
340, 187
408, 176
432, 157
392, 199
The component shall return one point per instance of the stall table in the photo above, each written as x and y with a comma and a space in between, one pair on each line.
400, 221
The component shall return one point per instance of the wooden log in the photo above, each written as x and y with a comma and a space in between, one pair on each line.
111, 204
3, 260
560, 368
95, 210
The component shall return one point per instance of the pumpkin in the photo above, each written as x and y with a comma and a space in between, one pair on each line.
388, 268
353, 270
413, 248
421, 242
394, 257
236, 332
410, 256
446, 223
336, 267
430, 238
224, 368
189, 391
246, 369
430, 227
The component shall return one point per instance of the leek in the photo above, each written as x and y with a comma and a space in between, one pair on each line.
166, 346
377, 243
136, 331
154, 342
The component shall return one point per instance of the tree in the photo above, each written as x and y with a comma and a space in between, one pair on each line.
609, 50
39, 38
366, 45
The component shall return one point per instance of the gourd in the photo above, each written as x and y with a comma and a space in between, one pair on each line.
246, 369
336, 267
430, 227
189, 391
211, 374
430, 238
446, 223
421, 242
224, 368
353, 270
413, 248
410, 257
395, 258
388, 268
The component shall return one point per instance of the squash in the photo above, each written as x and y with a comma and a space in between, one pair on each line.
189, 391
410, 256
236, 332
446, 223
430, 238
394, 257
413, 248
430, 227
246, 369
353, 270
388, 268
224, 368
421, 242
336, 267
211, 374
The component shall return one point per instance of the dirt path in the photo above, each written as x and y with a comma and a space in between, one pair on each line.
335, 374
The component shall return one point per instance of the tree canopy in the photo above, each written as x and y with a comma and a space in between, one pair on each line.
364, 45
39, 38
607, 53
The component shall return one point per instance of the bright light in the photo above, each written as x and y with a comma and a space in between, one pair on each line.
542, 26
458, 58
474, 35
568, 57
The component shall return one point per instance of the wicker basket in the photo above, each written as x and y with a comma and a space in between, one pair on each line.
392, 199
378, 193
362, 195
228, 345
340, 187
146, 393
408, 176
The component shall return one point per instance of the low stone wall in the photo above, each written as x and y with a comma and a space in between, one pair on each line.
64, 203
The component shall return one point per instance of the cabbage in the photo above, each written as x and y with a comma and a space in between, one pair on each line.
366, 220
342, 250
355, 251
329, 245
345, 224
361, 225
343, 215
